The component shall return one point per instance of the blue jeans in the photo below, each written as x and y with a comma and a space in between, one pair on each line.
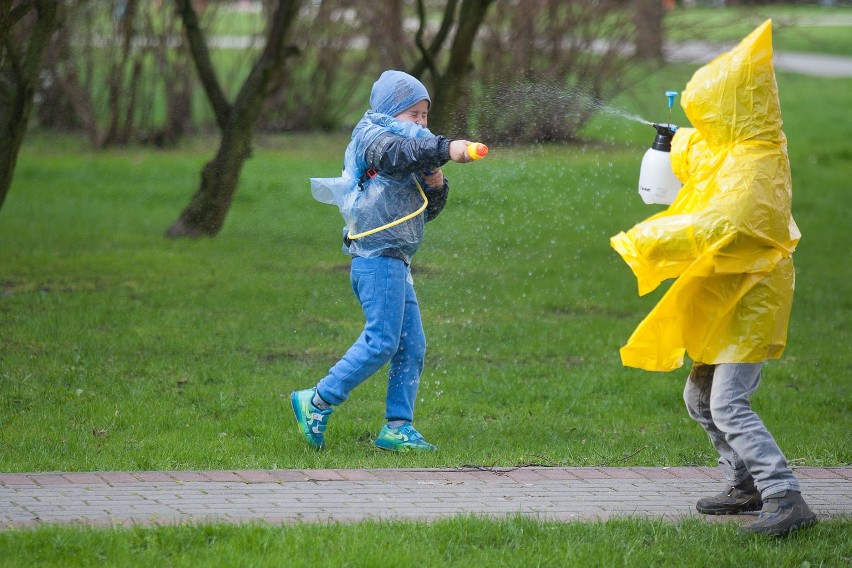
393, 332
718, 398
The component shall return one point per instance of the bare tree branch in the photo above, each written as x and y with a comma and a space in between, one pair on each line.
20, 11
19, 77
428, 54
203, 64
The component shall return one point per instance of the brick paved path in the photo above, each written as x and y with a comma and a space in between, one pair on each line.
287, 496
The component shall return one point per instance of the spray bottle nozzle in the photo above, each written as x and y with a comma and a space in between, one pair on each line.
665, 129
663, 139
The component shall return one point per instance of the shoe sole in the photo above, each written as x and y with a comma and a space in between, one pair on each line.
390, 448
782, 532
732, 510
295, 404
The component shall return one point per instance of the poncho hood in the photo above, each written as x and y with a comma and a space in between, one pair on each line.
741, 105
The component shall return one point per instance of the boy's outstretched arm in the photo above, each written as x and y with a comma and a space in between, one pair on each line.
392, 154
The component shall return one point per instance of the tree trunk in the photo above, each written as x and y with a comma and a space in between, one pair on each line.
206, 212
21, 56
648, 19
450, 87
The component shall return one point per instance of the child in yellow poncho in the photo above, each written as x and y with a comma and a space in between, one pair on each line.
728, 238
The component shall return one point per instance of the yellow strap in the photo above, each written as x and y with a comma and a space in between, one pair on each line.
422, 208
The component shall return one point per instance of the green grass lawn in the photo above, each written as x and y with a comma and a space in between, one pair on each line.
463, 542
121, 350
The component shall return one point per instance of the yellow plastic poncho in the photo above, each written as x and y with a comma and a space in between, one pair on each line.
729, 236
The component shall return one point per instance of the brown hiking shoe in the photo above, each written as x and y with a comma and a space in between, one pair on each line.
736, 499
782, 514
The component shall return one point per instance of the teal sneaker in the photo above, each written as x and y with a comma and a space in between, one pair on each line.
312, 421
402, 439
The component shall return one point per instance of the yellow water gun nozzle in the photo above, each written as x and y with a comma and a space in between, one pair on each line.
477, 151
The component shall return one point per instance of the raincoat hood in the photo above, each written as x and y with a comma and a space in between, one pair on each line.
396, 91
739, 105
729, 236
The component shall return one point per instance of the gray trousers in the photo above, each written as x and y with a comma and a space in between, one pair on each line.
718, 397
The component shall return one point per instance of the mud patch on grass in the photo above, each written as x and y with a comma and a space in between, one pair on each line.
12, 287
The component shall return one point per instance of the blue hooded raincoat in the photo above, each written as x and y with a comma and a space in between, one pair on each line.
394, 152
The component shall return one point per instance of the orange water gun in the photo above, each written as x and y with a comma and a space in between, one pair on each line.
477, 151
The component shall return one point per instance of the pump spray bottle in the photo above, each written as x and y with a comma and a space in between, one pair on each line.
657, 182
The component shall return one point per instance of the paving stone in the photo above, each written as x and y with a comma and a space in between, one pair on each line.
257, 476
119, 477
15, 479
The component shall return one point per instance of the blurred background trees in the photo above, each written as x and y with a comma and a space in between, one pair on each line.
120, 70
128, 71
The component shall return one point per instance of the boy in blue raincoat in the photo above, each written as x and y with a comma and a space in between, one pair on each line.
391, 186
